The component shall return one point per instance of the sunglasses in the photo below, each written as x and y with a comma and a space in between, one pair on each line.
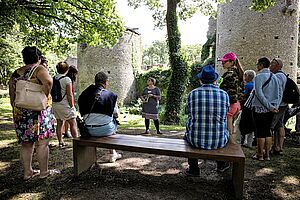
223, 62
274, 59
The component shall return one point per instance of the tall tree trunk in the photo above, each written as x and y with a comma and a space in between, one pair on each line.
179, 66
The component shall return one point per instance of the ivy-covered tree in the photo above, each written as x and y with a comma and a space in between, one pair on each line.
167, 14
55, 24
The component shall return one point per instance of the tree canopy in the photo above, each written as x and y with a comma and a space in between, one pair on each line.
54, 24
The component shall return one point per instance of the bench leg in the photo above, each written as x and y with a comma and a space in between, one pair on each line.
238, 178
83, 157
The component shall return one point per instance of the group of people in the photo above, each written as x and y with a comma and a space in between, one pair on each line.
211, 109
213, 106
97, 105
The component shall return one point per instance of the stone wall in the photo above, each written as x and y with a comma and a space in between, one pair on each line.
118, 63
252, 35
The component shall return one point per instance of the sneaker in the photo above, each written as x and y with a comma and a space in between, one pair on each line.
222, 168
146, 132
114, 157
192, 173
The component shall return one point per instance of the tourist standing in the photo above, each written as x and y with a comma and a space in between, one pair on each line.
232, 83
33, 128
278, 121
266, 98
150, 98
64, 110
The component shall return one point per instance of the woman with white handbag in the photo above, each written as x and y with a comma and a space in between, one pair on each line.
29, 89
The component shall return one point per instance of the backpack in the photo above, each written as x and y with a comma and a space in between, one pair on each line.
291, 91
56, 90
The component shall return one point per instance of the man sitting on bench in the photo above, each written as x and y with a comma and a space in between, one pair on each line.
206, 127
98, 106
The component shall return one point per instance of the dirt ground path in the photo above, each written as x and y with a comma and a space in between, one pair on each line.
143, 176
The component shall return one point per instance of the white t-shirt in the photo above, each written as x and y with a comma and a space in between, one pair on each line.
63, 83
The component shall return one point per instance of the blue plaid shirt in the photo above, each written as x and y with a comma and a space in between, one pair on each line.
206, 127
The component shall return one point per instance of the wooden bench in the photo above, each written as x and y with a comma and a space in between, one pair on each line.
84, 152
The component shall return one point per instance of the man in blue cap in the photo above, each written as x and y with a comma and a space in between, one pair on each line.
206, 127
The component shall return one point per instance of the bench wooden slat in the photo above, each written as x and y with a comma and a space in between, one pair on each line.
162, 146
84, 152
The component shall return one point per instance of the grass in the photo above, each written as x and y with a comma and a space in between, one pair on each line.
141, 176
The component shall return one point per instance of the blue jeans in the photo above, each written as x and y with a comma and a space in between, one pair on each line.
106, 130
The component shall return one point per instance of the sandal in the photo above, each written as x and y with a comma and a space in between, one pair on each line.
51, 172
267, 158
62, 145
256, 157
34, 173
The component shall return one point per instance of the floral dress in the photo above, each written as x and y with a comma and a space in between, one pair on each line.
32, 126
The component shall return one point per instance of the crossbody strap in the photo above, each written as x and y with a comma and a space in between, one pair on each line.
264, 85
96, 98
268, 81
248, 102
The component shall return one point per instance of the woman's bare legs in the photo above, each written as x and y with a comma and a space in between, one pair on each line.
73, 127
26, 152
42, 153
260, 148
268, 147
59, 128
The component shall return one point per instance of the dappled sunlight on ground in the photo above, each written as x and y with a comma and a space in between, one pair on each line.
133, 163
264, 172
287, 193
160, 173
292, 180
4, 165
36, 195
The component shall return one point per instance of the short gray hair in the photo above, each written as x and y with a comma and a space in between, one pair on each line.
250, 73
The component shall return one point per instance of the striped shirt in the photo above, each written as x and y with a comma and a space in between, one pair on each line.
206, 127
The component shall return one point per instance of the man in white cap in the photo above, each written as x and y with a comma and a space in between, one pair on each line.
206, 127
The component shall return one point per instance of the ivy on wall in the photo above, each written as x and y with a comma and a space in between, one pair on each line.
162, 76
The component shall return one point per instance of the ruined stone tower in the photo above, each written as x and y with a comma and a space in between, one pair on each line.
252, 35
118, 63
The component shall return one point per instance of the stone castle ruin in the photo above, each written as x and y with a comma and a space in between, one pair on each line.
118, 63
251, 35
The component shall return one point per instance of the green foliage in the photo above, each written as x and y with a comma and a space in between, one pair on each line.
194, 70
10, 49
209, 49
192, 52
162, 76
156, 54
262, 5
57, 24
